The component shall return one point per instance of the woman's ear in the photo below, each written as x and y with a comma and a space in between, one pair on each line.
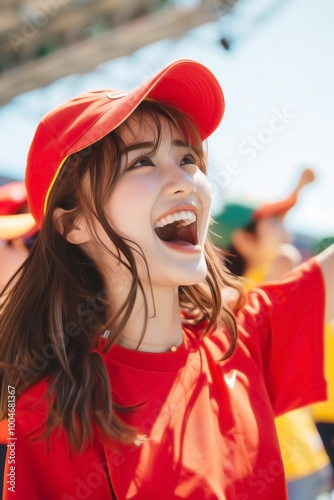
78, 233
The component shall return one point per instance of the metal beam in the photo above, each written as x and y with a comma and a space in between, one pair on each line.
84, 56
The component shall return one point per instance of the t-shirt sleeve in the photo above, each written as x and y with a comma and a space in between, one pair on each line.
282, 325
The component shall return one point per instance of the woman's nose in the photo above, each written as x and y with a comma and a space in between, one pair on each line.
180, 179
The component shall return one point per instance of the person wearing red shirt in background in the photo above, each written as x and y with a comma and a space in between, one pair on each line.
124, 374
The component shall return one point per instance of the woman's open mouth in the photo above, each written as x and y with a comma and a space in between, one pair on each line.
179, 228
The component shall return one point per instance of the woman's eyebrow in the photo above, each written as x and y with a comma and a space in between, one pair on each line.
151, 145
139, 145
180, 143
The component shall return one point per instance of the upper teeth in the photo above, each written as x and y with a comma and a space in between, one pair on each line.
186, 216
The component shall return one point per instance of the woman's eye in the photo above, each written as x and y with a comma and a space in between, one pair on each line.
189, 159
141, 162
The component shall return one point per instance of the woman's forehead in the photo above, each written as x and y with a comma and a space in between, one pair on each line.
143, 125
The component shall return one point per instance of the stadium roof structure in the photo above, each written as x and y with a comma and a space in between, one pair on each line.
44, 40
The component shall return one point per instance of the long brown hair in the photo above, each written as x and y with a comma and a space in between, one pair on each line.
55, 308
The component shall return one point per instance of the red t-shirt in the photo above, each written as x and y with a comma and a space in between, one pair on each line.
209, 423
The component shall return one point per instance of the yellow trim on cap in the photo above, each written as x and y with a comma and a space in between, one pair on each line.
52, 184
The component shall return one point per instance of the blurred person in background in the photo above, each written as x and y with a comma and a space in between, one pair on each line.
323, 413
17, 233
17, 229
257, 247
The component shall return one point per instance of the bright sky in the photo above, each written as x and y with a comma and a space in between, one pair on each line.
278, 80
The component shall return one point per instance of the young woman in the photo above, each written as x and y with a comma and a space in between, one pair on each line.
124, 375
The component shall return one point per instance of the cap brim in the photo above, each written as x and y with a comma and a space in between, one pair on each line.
16, 226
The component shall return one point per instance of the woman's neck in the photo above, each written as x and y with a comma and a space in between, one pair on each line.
163, 330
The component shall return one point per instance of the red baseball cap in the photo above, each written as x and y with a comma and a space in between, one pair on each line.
281, 207
185, 85
13, 198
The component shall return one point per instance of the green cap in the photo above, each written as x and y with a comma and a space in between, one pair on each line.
233, 216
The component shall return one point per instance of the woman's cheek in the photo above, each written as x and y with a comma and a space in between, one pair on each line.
203, 186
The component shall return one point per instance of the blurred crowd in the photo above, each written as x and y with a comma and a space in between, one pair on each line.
256, 245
